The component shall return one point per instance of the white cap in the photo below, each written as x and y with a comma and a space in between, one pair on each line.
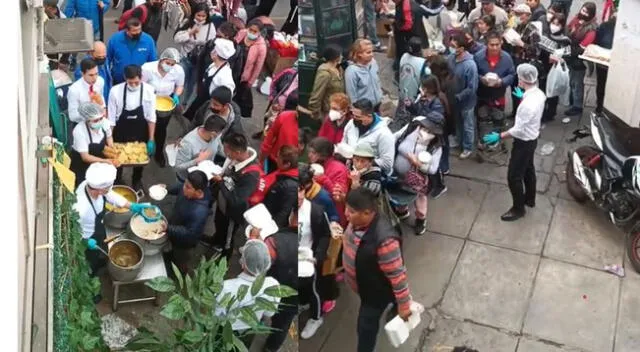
101, 175
345, 150
224, 48
522, 8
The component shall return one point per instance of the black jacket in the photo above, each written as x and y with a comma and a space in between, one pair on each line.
371, 179
284, 267
604, 34
320, 232
153, 24
418, 11
204, 112
282, 198
236, 188
188, 218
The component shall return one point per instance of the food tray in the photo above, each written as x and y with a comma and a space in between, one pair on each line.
134, 164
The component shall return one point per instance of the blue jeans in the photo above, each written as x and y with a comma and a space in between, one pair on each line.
444, 159
189, 80
577, 87
466, 129
370, 30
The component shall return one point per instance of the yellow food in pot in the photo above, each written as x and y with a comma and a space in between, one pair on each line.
164, 104
128, 194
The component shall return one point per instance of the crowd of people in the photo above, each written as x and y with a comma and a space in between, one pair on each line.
363, 174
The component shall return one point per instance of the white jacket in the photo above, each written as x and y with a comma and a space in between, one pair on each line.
379, 137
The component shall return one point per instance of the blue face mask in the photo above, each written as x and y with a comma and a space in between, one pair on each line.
252, 36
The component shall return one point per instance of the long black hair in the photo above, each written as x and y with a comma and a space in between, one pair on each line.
191, 21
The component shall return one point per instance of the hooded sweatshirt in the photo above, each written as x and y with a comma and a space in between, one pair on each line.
188, 217
466, 73
363, 82
380, 138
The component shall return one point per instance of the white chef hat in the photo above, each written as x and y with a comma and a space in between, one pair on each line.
224, 48
101, 175
345, 150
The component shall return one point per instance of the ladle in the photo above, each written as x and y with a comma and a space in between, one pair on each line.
93, 245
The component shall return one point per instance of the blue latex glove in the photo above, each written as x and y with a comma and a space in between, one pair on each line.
151, 147
518, 93
137, 208
491, 138
176, 99
92, 244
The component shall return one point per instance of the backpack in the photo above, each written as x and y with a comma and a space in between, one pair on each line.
409, 82
258, 194
129, 13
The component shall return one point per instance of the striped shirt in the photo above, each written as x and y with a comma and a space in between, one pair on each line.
389, 260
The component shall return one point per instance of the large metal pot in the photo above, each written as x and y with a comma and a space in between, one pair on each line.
126, 258
118, 218
151, 247
164, 107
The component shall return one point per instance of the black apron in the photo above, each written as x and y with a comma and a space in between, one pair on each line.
95, 257
131, 125
78, 166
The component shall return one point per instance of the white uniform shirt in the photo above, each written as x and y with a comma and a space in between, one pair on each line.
528, 115
304, 225
79, 93
133, 101
223, 78
232, 286
87, 218
81, 136
165, 86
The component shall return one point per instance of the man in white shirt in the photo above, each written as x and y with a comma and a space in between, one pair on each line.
219, 72
132, 113
521, 175
92, 194
89, 87
255, 261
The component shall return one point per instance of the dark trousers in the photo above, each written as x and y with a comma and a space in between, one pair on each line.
310, 294
290, 26
136, 177
601, 73
244, 99
281, 321
161, 136
128, 4
368, 326
402, 41
224, 235
264, 9
521, 175
550, 109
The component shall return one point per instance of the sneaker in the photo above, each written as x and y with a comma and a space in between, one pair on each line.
403, 215
378, 47
446, 172
328, 306
438, 191
465, 154
421, 226
311, 328
255, 84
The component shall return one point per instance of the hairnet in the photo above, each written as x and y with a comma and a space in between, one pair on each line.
171, 54
90, 111
527, 73
256, 258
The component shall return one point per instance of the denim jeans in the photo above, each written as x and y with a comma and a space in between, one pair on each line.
466, 129
577, 87
189, 80
444, 159
370, 29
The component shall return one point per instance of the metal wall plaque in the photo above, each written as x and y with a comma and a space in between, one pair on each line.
69, 35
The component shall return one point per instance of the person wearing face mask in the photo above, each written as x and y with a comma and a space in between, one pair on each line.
99, 56
362, 80
556, 47
334, 123
521, 175
582, 31
484, 25
132, 113
88, 88
252, 51
489, 7
150, 14
283, 131
198, 145
191, 38
89, 140
129, 47
538, 11
167, 77
329, 80
367, 126
423, 134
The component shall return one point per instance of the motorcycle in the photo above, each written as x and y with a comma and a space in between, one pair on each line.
609, 177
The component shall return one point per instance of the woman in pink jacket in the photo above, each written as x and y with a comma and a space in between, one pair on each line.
251, 51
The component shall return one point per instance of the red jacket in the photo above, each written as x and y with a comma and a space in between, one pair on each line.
331, 131
284, 131
335, 174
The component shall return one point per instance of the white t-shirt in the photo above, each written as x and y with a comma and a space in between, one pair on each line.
232, 286
222, 78
166, 85
81, 138
87, 218
305, 238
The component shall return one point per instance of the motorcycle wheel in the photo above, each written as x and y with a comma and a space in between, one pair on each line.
633, 249
573, 186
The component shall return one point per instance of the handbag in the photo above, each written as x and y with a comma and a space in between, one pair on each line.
415, 179
196, 53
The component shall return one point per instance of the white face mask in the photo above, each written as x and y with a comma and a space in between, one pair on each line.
133, 89
200, 23
555, 28
166, 68
425, 136
549, 17
334, 115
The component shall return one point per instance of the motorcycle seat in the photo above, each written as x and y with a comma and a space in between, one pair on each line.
610, 144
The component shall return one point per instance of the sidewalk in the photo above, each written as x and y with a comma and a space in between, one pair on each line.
535, 285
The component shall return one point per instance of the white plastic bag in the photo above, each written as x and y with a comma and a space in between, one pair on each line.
558, 81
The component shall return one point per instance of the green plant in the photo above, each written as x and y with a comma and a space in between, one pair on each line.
193, 302
77, 326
